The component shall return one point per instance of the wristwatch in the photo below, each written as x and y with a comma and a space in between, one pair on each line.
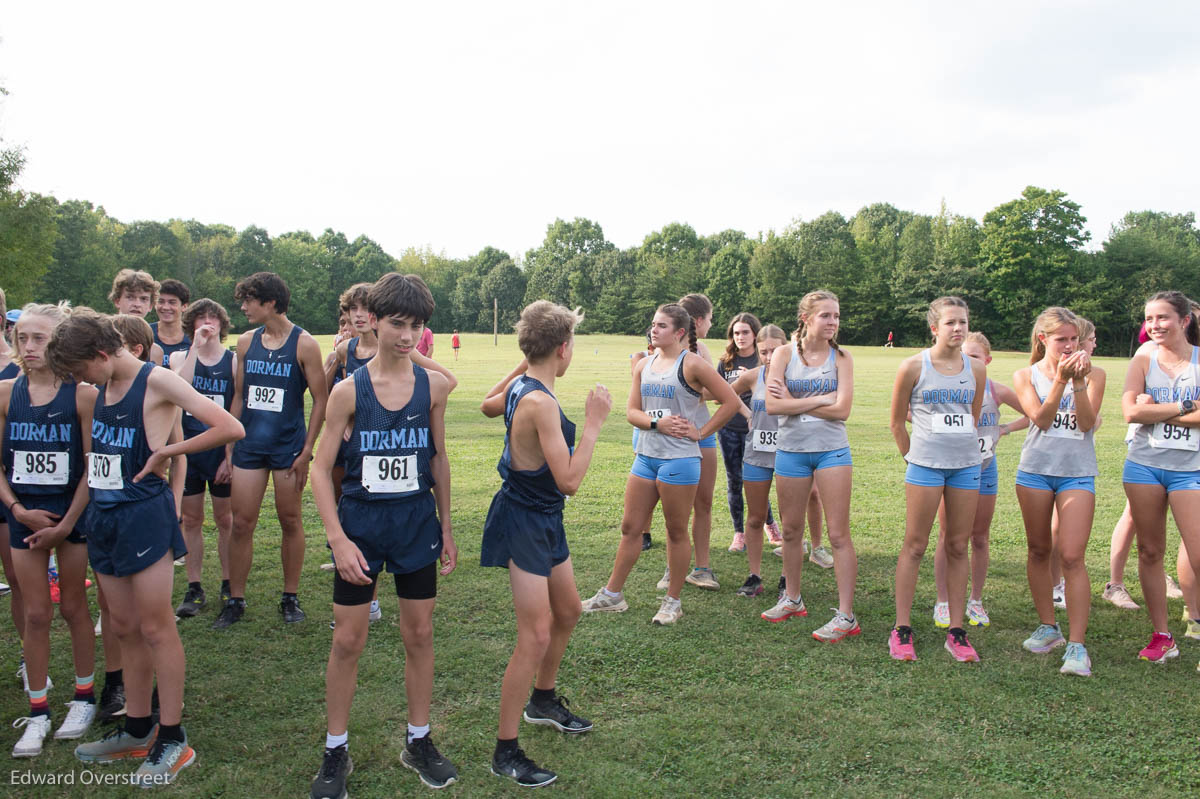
1186, 406
653, 424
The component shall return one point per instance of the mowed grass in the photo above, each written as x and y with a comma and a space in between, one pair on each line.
723, 703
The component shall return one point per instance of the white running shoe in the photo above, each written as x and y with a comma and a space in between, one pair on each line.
1173, 589
703, 577
79, 718
665, 582
36, 729
603, 602
822, 557
976, 614
669, 612
1118, 594
941, 614
837, 628
1060, 594
376, 613
24, 675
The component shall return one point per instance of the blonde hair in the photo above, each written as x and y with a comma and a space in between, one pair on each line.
55, 313
134, 331
975, 337
772, 331
1087, 329
937, 306
1048, 321
805, 307
545, 326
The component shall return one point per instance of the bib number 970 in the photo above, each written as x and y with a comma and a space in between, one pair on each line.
389, 474
104, 471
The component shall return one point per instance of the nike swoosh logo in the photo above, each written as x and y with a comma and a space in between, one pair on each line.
216, 374
52, 415
433, 546
840, 455
414, 416
144, 551
121, 415
964, 381
672, 474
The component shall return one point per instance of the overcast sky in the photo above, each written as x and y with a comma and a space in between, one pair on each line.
459, 125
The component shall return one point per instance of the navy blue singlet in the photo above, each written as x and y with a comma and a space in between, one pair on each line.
10, 371
534, 489
119, 432
169, 349
214, 382
273, 386
389, 451
352, 359
43, 451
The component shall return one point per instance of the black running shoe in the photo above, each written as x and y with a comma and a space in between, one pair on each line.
230, 614
752, 587
112, 702
225, 597
193, 601
289, 606
423, 757
514, 765
330, 782
646, 544
555, 714
782, 587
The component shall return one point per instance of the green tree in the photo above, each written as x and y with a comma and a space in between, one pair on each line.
27, 232
568, 247
506, 283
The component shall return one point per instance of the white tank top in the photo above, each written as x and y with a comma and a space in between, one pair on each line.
1064, 450
802, 432
764, 428
667, 394
943, 429
1165, 445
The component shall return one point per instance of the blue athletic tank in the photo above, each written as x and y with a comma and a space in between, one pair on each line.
120, 449
43, 451
10, 371
273, 388
216, 383
169, 349
532, 488
388, 454
352, 359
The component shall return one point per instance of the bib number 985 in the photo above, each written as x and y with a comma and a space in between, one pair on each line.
41, 468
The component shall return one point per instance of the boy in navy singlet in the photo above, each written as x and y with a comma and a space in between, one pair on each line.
135, 293
210, 368
394, 514
169, 334
524, 530
133, 528
277, 362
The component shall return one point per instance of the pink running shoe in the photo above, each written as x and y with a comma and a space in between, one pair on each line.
1160, 649
739, 543
959, 647
900, 644
773, 535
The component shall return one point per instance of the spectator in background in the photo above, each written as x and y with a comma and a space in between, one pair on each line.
425, 345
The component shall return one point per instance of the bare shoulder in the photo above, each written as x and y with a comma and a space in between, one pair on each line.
87, 392
243, 342
439, 386
844, 355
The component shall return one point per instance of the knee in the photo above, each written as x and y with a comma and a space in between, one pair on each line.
192, 517
915, 550
290, 524
1039, 550
979, 541
567, 614
955, 548
37, 617
155, 632
703, 503
243, 526
678, 535
755, 520
537, 637
348, 643
1071, 561
418, 637
73, 606
1151, 553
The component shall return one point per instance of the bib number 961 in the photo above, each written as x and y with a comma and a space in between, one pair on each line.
389, 474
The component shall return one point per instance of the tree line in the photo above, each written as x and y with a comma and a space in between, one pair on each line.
884, 263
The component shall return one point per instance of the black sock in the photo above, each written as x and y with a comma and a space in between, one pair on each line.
170, 732
113, 678
225, 586
286, 595
540, 696
504, 746
138, 726
195, 586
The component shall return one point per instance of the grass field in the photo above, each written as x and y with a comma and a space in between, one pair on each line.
722, 704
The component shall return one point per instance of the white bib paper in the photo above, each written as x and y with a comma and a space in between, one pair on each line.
952, 424
41, 468
1165, 435
265, 398
217, 398
987, 447
104, 471
765, 440
1065, 425
389, 474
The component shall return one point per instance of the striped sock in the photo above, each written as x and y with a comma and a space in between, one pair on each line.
85, 688
39, 705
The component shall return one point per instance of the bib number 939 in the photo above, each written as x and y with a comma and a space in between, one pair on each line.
765, 440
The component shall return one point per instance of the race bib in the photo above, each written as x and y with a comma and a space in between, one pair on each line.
987, 447
104, 471
1165, 435
41, 468
952, 423
804, 417
765, 440
1065, 425
217, 398
265, 398
389, 474
657, 414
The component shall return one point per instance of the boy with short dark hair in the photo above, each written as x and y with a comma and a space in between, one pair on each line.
276, 363
133, 529
169, 335
524, 533
394, 514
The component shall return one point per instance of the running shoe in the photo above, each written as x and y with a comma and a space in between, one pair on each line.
225, 597
330, 782
24, 675
193, 602
977, 616
328, 566
900, 643
822, 557
1059, 594
180, 562
289, 608
739, 543
80, 715
777, 551
112, 702
665, 582
941, 615
959, 647
603, 602
116, 745
423, 757
163, 764
555, 713
231, 614
774, 536
807, 547
4, 589
752, 587
647, 542
36, 729
55, 591
837, 628
1076, 661
1160, 649
514, 765
376, 613
1117, 594
1173, 590
669, 612
703, 577
1193, 629
784, 609
1044, 639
